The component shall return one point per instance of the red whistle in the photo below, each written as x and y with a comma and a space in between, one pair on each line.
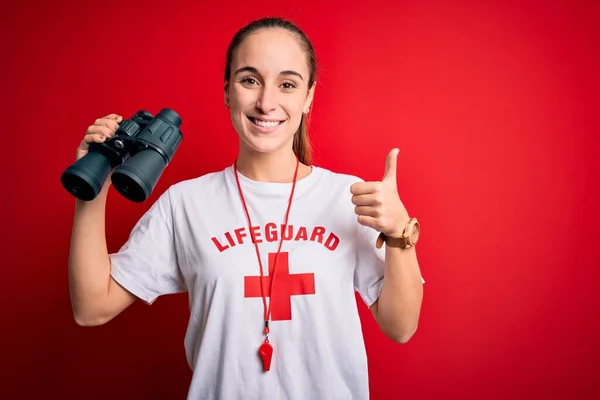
266, 353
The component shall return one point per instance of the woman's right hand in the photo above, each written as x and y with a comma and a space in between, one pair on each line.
102, 129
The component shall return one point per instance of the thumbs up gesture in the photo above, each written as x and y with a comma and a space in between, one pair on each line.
378, 204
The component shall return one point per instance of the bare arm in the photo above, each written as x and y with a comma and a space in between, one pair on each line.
96, 297
399, 305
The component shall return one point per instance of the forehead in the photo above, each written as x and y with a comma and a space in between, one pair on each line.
271, 51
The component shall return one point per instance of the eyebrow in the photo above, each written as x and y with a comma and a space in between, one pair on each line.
282, 73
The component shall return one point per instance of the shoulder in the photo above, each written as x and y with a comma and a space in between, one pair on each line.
198, 185
193, 189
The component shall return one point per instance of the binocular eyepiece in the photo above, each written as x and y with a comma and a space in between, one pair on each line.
138, 152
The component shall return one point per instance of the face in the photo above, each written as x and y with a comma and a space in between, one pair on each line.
268, 90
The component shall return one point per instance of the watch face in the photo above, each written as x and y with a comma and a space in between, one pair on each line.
414, 234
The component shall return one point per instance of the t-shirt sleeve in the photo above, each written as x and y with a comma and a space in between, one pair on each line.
146, 265
370, 265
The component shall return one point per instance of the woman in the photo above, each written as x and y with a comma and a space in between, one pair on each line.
270, 249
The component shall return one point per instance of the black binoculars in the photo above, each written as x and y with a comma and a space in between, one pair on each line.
138, 152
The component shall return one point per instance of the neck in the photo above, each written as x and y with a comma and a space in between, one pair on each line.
276, 167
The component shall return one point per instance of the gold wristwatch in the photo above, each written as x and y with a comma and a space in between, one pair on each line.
409, 238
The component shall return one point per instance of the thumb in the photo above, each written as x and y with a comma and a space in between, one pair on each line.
391, 163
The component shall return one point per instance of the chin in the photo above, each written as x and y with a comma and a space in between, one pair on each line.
263, 145
265, 140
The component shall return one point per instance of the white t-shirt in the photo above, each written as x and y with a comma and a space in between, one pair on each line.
195, 239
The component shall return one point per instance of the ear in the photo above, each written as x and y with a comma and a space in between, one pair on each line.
310, 96
225, 93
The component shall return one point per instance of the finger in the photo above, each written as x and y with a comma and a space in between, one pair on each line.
371, 222
92, 138
371, 199
100, 130
114, 117
111, 123
391, 165
367, 211
359, 188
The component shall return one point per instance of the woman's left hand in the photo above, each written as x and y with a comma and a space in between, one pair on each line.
378, 203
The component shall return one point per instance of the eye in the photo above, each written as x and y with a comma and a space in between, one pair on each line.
288, 85
248, 80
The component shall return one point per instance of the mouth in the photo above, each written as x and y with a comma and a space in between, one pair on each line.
268, 125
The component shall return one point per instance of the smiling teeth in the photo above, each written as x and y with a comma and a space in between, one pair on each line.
265, 124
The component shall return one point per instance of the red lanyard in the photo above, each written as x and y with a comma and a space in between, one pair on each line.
266, 349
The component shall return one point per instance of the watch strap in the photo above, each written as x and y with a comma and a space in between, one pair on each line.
401, 242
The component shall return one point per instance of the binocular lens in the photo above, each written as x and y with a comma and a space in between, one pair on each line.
81, 182
135, 179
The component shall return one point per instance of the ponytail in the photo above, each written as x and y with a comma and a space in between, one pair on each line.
302, 146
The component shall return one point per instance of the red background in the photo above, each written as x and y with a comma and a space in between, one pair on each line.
492, 103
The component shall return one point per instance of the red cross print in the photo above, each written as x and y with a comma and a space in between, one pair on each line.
284, 288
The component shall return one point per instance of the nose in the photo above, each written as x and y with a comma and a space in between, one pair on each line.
266, 101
